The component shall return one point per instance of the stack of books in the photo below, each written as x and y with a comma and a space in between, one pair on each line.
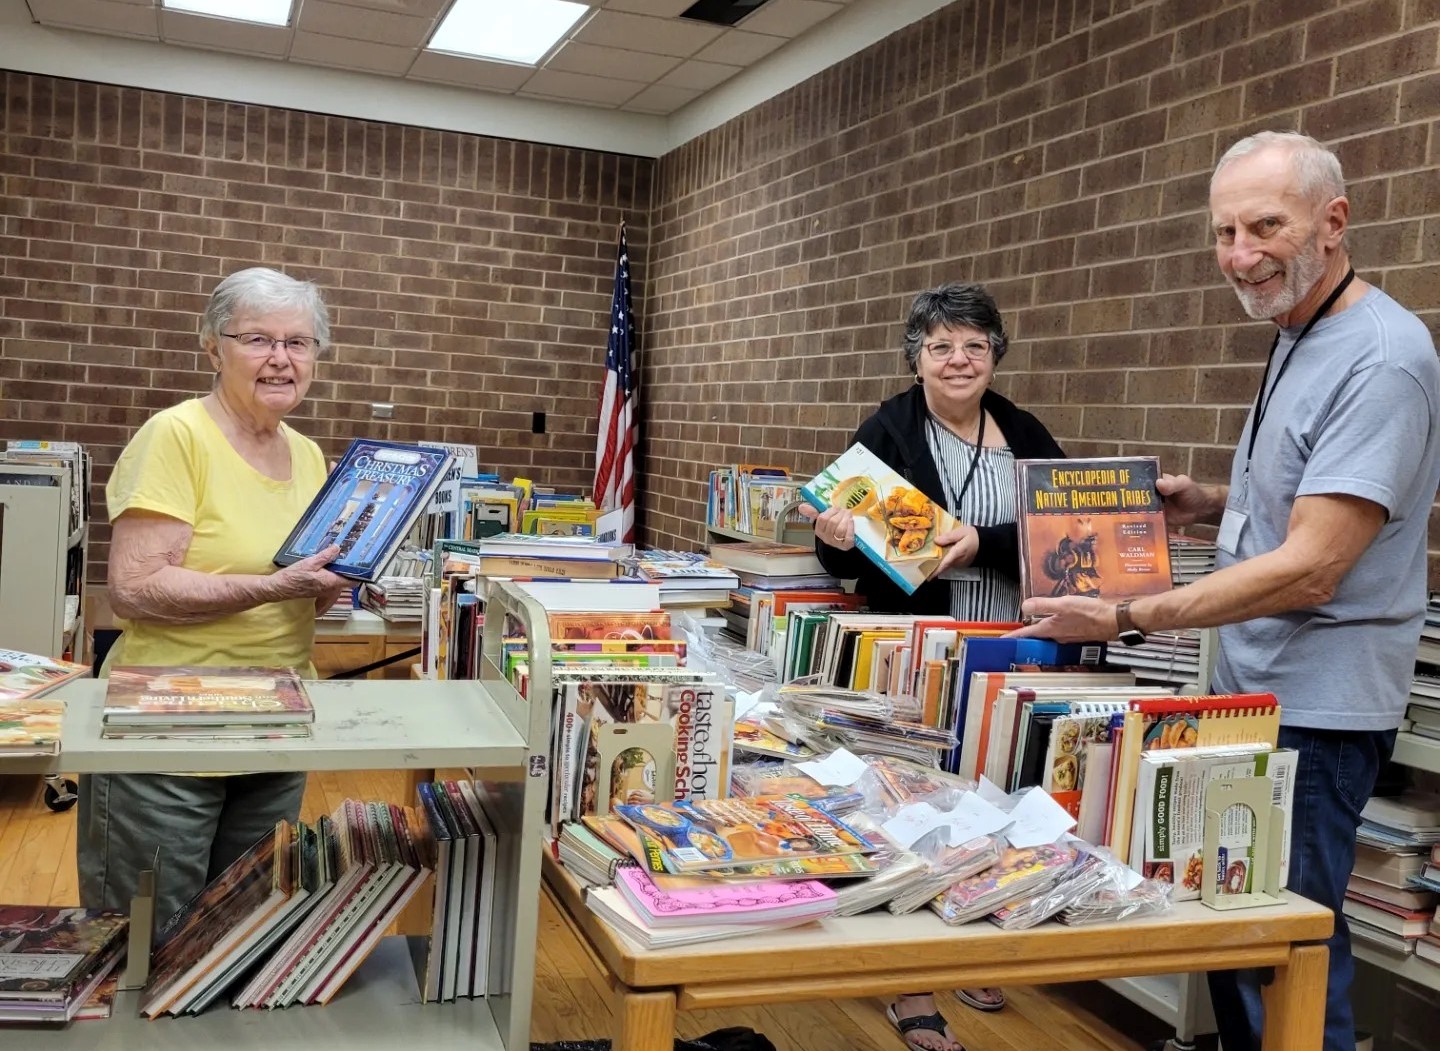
686, 579
509, 556
54, 960
1385, 910
202, 703
1422, 715
399, 600
1171, 657
30, 722
294, 916
1429, 651
1190, 558
341, 608
1409, 821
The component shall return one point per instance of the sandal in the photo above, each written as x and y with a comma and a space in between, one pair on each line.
979, 1004
931, 1023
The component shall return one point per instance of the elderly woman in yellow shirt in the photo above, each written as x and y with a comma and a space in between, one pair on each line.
199, 502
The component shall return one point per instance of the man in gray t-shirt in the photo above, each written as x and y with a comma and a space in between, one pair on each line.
1319, 592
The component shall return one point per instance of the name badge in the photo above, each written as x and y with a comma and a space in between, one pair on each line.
1231, 526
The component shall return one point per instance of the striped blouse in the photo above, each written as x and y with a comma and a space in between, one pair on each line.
990, 500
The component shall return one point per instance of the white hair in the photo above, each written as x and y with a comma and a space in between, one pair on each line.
1317, 170
261, 290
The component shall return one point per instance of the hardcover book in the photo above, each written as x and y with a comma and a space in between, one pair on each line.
202, 696
896, 525
49, 953
367, 506
1094, 528
26, 675
31, 727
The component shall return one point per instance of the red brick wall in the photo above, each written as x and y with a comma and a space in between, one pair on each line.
1060, 153
468, 278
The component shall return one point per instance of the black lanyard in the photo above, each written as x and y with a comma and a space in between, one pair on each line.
970, 474
1262, 401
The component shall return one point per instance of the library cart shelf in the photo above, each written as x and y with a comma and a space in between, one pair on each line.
1411, 969
484, 725
1416, 751
377, 1010
785, 532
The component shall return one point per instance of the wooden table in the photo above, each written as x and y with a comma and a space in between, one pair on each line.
879, 954
363, 638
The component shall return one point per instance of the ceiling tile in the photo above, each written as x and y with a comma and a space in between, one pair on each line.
658, 98
788, 18
469, 72
640, 33
363, 55
223, 34
576, 57
698, 76
660, 8
739, 48
101, 16
363, 23
418, 8
552, 83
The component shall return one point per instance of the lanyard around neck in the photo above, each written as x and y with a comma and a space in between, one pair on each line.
1263, 400
969, 474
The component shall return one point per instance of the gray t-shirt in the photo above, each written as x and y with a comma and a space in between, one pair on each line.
1354, 414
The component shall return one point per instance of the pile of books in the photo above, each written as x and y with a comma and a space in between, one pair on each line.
294, 916
686, 579
454, 959
55, 961
1190, 558
772, 581
1171, 657
205, 704
399, 600
1422, 715
1429, 651
341, 608
30, 722
1391, 904
1409, 821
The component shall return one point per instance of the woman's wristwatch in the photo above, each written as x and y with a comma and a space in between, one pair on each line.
1128, 633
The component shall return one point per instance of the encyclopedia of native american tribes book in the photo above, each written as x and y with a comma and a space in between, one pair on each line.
367, 506
1092, 527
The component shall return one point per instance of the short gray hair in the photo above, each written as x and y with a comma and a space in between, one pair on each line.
261, 290
954, 305
1317, 170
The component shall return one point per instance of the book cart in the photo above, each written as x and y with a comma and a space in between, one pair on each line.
877, 954
360, 724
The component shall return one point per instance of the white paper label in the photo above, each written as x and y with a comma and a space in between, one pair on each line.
910, 823
839, 769
744, 702
991, 793
972, 817
466, 462
1037, 819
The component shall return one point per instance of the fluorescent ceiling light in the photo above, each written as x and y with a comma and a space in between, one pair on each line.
266, 12
509, 30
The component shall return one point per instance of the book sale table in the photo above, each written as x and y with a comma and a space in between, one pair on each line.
879, 954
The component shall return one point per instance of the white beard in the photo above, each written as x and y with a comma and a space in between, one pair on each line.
1304, 270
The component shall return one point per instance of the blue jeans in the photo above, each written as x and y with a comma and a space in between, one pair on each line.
1334, 777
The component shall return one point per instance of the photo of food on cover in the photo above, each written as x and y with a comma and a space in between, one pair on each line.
1094, 528
896, 525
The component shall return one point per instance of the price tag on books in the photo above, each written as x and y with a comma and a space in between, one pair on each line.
1037, 819
973, 816
839, 769
992, 793
744, 702
910, 823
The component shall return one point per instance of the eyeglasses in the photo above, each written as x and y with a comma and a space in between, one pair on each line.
974, 349
259, 342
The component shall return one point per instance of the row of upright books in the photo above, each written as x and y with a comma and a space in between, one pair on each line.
753, 498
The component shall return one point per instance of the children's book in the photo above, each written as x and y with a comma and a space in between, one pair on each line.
735, 833
203, 696
51, 954
367, 506
26, 675
1092, 527
896, 525
744, 903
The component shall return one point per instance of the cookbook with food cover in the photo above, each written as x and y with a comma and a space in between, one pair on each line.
1093, 528
896, 525
139, 696
26, 675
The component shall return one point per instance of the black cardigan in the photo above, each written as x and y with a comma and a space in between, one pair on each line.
896, 434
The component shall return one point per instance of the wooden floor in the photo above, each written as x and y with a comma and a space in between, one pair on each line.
37, 865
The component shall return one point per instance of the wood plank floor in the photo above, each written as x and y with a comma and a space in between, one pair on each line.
572, 1001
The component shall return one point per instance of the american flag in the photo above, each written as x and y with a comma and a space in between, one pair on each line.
616, 439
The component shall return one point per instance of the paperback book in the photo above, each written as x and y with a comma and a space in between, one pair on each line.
367, 506
896, 525
1093, 528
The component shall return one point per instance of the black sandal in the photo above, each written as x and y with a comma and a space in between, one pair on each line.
931, 1023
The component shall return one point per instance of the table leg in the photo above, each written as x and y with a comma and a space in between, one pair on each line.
646, 1020
1295, 1001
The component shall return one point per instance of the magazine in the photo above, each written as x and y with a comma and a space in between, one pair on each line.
202, 696
367, 506
896, 525
24, 675
705, 834
1094, 528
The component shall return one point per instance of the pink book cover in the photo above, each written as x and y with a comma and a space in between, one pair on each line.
739, 903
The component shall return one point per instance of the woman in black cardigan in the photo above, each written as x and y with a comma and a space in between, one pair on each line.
957, 441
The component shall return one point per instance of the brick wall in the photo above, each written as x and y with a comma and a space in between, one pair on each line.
1057, 151
468, 277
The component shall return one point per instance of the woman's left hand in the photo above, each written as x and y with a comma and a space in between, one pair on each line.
961, 545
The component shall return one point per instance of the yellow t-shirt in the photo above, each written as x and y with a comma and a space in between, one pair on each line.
181, 464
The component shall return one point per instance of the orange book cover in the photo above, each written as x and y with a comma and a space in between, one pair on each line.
1092, 527
567, 627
